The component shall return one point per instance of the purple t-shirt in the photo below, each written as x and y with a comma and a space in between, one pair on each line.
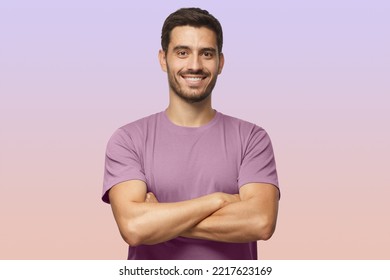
181, 163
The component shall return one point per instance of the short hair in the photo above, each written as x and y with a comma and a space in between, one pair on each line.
195, 17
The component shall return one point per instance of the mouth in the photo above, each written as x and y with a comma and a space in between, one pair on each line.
194, 79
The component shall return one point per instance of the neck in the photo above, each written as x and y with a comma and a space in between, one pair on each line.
187, 114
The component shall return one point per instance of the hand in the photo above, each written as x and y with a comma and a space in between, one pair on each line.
150, 198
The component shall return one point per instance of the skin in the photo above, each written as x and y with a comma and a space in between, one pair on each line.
192, 52
193, 67
193, 64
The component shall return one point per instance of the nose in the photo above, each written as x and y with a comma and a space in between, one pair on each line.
194, 63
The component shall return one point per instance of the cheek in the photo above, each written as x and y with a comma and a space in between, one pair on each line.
213, 67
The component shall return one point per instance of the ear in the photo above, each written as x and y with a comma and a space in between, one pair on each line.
163, 60
221, 63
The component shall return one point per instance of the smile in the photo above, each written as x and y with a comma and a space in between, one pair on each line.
193, 80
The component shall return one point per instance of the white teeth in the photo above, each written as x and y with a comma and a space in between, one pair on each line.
193, 78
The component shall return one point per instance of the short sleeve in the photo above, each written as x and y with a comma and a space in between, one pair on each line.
122, 162
258, 161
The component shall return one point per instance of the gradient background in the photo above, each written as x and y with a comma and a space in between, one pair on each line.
314, 74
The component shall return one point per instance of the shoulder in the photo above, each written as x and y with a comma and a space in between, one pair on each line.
243, 127
249, 134
141, 124
134, 131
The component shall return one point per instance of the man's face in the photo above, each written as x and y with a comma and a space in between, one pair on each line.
192, 62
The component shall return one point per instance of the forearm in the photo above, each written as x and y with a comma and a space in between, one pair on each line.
252, 218
232, 223
151, 223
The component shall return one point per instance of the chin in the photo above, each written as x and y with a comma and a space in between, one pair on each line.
193, 98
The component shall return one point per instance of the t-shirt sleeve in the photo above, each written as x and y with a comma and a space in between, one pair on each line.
122, 162
258, 161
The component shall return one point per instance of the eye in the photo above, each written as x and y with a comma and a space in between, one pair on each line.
208, 54
182, 53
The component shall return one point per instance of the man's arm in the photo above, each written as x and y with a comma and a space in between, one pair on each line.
141, 222
252, 218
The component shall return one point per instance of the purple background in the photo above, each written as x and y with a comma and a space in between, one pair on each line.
314, 74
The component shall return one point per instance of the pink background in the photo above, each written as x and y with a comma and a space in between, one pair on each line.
315, 76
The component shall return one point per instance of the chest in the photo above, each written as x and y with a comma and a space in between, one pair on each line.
181, 167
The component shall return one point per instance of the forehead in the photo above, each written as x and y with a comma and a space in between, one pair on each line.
193, 37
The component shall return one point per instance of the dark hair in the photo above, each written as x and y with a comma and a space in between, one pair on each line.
193, 17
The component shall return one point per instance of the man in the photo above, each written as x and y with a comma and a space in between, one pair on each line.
190, 182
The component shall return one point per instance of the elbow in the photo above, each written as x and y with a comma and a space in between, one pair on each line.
266, 234
265, 229
132, 240
132, 235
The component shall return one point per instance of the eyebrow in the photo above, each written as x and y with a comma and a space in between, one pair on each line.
209, 50
182, 47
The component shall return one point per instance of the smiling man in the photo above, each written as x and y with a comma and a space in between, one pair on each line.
190, 182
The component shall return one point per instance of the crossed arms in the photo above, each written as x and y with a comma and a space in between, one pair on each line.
244, 217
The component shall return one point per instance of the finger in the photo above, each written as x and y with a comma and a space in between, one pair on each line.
152, 198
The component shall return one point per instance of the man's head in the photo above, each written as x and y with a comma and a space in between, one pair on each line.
192, 17
191, 53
